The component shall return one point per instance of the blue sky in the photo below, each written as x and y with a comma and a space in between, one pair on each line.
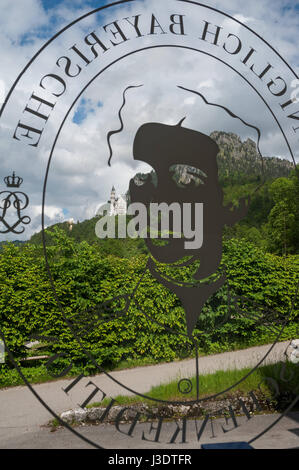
82, 111
291, 5
55, 20
51, 4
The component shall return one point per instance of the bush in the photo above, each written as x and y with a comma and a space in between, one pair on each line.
85, 278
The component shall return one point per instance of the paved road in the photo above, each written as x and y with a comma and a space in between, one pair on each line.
284, 435
21, 413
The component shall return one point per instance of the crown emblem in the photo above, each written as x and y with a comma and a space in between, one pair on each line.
13, 181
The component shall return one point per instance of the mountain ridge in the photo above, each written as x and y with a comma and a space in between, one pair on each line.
239, 163
237, 157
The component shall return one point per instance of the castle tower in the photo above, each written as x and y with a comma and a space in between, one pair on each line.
112, 196
118, 204
112, 201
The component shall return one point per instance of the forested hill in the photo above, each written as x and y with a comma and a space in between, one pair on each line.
85, 231
15, 242
272, 212
239, 162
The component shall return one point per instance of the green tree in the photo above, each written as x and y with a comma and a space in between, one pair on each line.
283, 220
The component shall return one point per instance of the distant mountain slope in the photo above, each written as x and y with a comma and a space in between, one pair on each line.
85, 231
80, 232
239, 164
15, 242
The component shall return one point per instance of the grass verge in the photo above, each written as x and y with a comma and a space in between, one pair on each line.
267, 380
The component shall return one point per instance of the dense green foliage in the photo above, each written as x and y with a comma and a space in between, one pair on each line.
283, 221
85, 277
260, 256
272, 222
15, 242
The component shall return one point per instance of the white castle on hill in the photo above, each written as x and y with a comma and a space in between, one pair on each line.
118, 204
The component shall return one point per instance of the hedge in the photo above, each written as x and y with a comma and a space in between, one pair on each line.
85, 278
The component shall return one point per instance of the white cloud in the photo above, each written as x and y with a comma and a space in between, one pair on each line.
206, 84
243, 19
21, 17
190, 100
